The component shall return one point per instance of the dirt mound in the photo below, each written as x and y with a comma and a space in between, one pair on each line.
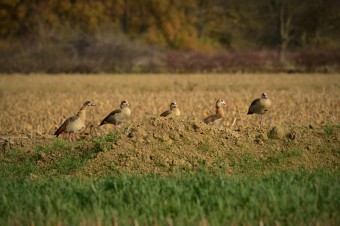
164, 146
180, 145
172, 130
22, 142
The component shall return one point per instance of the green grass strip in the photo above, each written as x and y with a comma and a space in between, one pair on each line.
287, 198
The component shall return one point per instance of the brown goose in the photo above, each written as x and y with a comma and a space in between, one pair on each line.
118, 116
260, 106
216, 118
173, 112
75, 123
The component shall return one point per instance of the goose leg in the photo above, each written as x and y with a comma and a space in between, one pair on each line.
70, 136
261, 120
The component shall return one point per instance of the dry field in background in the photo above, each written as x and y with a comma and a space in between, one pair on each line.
301, 131
36, 105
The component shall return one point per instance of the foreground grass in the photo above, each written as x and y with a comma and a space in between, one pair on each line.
284, 198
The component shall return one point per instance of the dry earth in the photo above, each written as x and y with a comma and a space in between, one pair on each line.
301, 131
165, 146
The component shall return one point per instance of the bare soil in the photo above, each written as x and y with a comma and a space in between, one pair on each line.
301, 131
168, 146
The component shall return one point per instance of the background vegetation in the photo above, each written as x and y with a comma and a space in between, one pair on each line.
169, 35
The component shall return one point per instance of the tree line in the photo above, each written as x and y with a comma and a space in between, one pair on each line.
173, 25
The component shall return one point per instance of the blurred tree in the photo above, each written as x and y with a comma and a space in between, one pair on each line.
171, 23
13, 18
213, 22
297, 24
285, 12
319, 25
177, 24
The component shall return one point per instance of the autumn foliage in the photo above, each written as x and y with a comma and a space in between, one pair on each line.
169, 35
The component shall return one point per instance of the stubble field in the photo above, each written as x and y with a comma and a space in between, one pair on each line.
304, 118
35, 105
298, 142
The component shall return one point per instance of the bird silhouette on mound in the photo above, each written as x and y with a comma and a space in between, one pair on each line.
118, 116
75, 123
216, 118
260, 106
172, 112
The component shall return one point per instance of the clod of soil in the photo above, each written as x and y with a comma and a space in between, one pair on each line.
277, 132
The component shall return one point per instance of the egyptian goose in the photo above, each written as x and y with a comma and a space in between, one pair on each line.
75, 123
118, 116
216, 118
173, 112
260, 106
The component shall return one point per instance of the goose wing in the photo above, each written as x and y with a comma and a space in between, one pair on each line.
253, 105
166, 113
65, 124
111, 117
211, 118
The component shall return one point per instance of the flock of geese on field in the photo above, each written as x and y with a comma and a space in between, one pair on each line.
76, 123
